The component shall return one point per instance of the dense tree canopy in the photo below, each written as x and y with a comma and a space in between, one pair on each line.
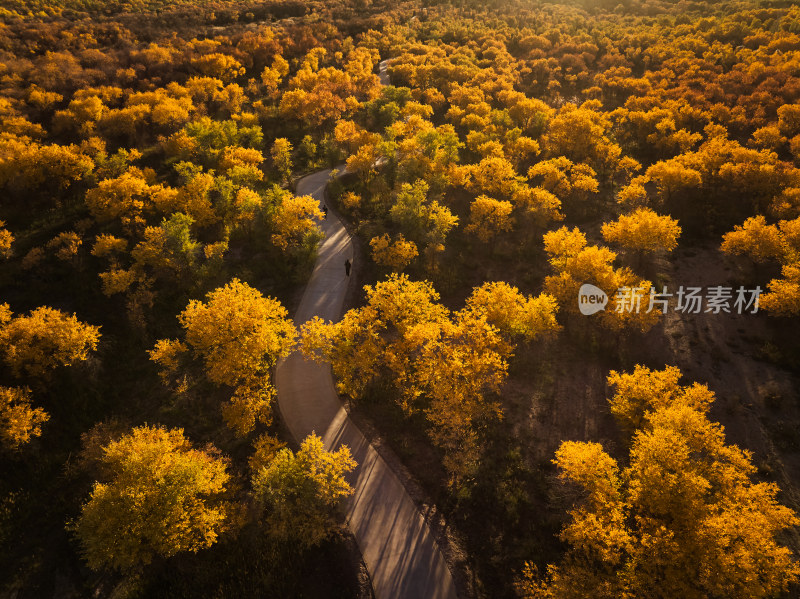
683, 518
300, 492
446, 366
149, 153
44, 339
238, 335
158, 497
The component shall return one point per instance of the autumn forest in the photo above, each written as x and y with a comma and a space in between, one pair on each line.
512, 286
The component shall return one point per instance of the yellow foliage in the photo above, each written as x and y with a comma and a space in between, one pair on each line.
249, 404
671, 176
350, 200
238, 333
576, 263
395, 255
351, 136
580, 134
563, 244
167, 353
783, 298
763, 243
68, 243
460, 366
634, 194
294, 221
756, 239
220, 66
118, 280
300, 492
19, 422
124, 197
271, 79
489, 217
26, 166
504, 307
215, 251
159, 497
644, 391
246, 206
643, 230
494, 176
281, 153
193, 199
265, 449
684, 516
562, 177
45, 339
406, 338
539, 204
237, 156
106, 245
6, 239
598, 526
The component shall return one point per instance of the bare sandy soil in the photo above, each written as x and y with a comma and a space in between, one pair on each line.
559, 393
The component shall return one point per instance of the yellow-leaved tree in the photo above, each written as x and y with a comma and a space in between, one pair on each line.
394, 255
377, 339
43, 340
503, 306
756, 239
683, 519
239, 335
281, 153
6, 239
446, 366
783, 298
489, 217
576, 263
294, 222
764, 242
158, 497
19, 422
300, 492
643, 231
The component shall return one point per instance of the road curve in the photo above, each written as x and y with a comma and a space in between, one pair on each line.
402, 556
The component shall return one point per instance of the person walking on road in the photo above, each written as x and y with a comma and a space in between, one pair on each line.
324, 211
347, 265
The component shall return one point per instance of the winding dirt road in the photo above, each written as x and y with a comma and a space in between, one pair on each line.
402, 556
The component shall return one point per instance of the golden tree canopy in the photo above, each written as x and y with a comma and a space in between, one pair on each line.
160, 497
301, 491
44, 339
684, 518
238, 332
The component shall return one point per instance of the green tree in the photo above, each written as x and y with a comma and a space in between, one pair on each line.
426, 222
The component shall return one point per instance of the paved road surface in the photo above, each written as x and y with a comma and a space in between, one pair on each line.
401, 554
383, 74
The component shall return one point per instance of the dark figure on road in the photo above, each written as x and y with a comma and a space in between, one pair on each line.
347, 265
324, 211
